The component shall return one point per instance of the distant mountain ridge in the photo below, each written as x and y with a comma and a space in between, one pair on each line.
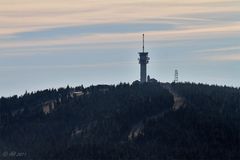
138, 121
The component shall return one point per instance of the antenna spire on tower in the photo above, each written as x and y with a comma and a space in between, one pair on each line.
143, 43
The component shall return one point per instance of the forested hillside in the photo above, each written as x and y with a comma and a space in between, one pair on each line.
138, 121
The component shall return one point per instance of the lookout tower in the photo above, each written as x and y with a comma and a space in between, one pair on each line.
143, 61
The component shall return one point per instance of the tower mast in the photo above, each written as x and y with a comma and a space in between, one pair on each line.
176, 76
143, 61
143, 43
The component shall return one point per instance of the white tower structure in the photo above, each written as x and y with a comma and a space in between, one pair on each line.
176, 76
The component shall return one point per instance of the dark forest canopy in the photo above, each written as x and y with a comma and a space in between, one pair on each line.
136, 121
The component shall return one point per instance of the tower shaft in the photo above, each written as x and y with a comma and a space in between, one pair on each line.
143, 73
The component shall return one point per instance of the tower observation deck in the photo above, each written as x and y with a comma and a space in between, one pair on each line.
143, 61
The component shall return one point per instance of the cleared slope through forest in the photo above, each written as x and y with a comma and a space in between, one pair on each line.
179, 101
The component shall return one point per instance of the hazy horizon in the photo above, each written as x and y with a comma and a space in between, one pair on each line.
55, 43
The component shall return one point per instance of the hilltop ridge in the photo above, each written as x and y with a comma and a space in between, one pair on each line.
137, 121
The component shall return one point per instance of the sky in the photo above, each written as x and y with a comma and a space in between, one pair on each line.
54, 43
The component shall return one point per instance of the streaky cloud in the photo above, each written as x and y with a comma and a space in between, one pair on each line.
93, 29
